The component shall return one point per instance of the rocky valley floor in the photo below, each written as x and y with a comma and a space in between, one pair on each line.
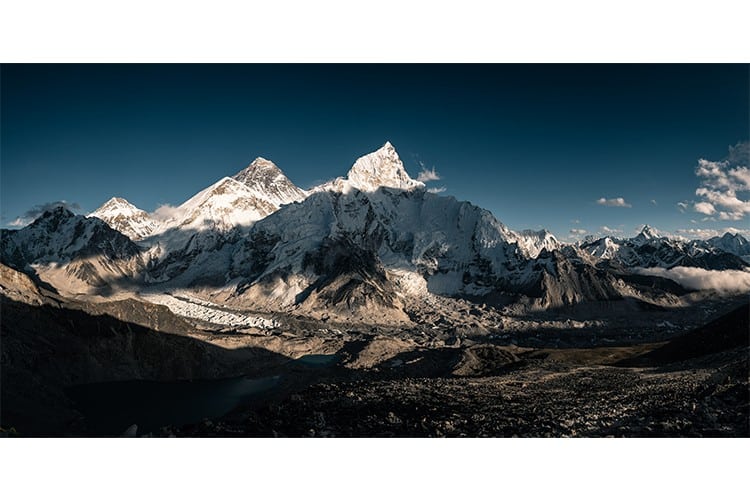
663, 373
545, 394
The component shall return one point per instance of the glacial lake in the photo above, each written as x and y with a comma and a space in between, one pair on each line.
317, 360
111, 407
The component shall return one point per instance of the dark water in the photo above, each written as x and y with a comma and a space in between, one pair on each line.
317, 359
111, 407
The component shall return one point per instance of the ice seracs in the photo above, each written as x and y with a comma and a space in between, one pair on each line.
125, 217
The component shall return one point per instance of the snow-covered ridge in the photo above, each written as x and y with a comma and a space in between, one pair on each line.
649, 249
223, 205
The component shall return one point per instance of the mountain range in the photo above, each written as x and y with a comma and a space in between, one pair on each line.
373, 246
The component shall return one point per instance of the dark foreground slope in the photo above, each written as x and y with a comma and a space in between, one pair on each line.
505, 391
48, 348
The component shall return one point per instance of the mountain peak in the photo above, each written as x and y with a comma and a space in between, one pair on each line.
259, 170
648, 233
126, 218
114, 203
58, 212
269, 183
381, 168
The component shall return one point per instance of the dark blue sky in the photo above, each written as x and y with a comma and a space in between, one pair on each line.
535, 144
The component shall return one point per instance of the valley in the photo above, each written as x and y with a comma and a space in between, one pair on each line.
365, 306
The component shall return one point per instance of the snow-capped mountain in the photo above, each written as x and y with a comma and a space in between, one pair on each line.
646, 235
649, 249
72, 252
215, 217
248, 196
363, 247
374, 249
222, 206
533, 242
125, 217
733, 243
269, 183
380, 169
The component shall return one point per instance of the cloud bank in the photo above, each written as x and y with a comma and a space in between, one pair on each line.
165, 212
701, 279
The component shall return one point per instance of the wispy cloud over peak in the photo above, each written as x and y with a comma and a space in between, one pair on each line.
427, 174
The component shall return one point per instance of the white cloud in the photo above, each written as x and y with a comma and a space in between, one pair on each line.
575, 221
18, 222
436, 190
721, 183
427, 174
702, 279
704, 207
578, 231
613, 202
653, 202
682, 206
742, 176
606, 229
165, 212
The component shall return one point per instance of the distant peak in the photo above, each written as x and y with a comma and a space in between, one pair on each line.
115, 205
648, 232
116, 201
268, 182
54, 214
260, 170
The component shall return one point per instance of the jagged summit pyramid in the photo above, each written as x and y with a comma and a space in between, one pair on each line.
269, 183
646, 234
381, 168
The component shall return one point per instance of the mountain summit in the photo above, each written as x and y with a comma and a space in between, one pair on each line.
269, 183
381, 168
125, 217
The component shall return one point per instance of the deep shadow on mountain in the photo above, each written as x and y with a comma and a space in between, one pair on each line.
48, 348
727, 332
